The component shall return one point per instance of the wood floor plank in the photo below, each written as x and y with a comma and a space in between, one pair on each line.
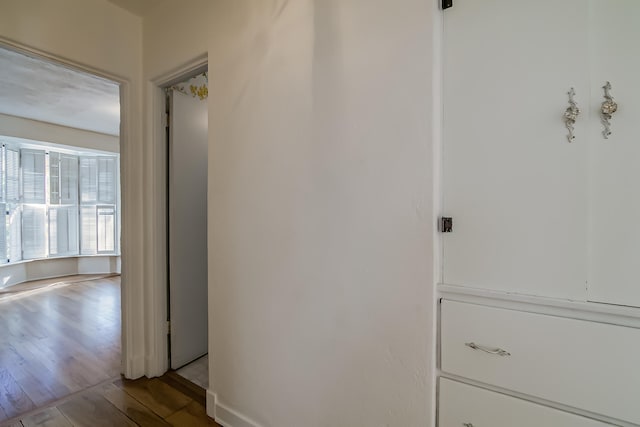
47, 376
192, 415
135, 410
33, 387
192, 390
91, 409
13, 399
50, 417
158, 396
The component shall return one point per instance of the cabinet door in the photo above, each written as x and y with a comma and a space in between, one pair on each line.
614, 163
514, 185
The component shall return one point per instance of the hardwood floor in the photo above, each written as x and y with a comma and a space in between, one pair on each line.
60, 362
57, 340
166, 401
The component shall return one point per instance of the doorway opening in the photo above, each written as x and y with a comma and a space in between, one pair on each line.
60, 238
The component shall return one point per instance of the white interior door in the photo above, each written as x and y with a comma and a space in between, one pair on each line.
187, 228
512, 183
614, 163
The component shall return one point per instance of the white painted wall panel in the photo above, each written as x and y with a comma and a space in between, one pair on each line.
71, 138
320, 204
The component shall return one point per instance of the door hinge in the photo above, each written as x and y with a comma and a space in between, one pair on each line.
446, 224
446, 4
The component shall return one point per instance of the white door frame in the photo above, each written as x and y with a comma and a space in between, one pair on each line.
132, 237
157, 354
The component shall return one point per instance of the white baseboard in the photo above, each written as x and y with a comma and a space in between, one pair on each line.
49, 268
211, 404
226, 416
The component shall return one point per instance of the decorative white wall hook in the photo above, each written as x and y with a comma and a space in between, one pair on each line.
607, 109
571, 114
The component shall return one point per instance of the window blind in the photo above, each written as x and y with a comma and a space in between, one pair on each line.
68, 179
3, 175
88, 230
88, 179
33, 232
14, 232
3, 233
106, 179
54, 178
33, 176
12, 157
63, 231
106, 217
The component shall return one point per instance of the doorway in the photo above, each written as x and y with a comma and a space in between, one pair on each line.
59, 188
187, 149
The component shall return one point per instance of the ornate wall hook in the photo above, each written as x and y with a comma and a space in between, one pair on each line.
607, 109
571, 114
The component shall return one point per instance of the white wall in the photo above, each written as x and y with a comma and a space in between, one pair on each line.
102, 37
320, 205
21, 127
23, 271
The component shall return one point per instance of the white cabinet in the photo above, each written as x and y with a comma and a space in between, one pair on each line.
614, 164
533, 213
510, 176
585, 365
464, 405
543, 228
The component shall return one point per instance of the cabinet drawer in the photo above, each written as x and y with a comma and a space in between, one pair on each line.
587, 365
464, 405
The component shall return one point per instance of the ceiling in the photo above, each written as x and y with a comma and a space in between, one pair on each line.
41, 90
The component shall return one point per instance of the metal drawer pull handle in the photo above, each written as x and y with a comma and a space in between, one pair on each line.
498, 351
467, 424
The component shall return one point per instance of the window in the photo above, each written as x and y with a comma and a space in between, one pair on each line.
33, 181
14, 233
56, 203
34, 204
63, 231
98, 177
63, 204
11, 181
33, 232
11, 190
